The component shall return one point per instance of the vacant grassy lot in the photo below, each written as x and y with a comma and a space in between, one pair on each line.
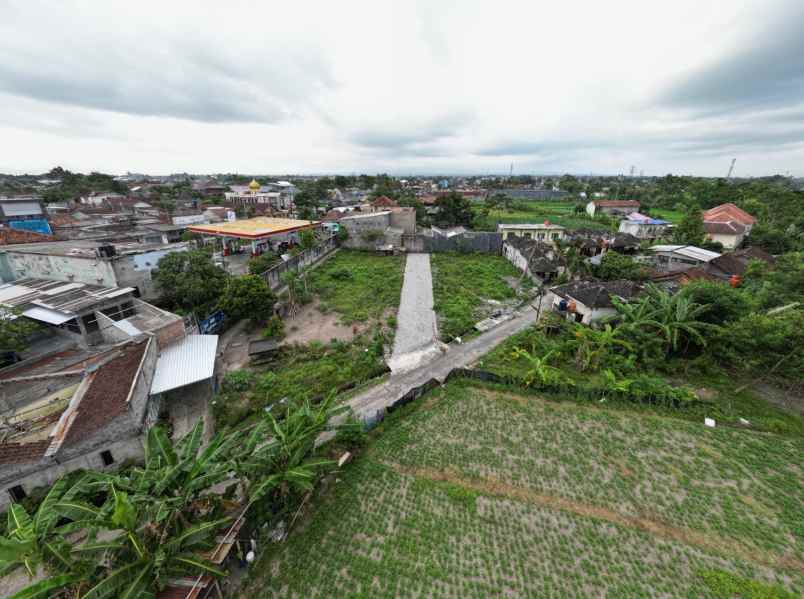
472, 492
462, 283
558, 213
301, 372
357, 285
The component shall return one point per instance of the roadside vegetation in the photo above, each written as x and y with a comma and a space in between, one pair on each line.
299, 373
474, 491
358, 286
131, 533
463, 284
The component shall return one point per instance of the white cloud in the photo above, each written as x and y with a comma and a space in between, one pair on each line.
402, 87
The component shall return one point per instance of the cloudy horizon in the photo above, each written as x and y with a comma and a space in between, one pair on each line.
403, 87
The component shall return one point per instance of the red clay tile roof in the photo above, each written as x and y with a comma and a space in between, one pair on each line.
727, 212
105, 399
10, 236
723, 228
332, 215
617, 203
62, 220
19, 453
384, 202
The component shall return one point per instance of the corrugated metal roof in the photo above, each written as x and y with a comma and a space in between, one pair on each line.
689, 251
190, 360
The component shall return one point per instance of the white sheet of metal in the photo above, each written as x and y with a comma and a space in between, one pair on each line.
10, 291
127, 327
21, 208
47, 315
189, 361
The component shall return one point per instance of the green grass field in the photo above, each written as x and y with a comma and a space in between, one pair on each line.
359, 286
532, 211
461, 283
476, 492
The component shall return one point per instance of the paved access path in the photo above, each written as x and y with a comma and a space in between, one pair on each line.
416, 339
375, 400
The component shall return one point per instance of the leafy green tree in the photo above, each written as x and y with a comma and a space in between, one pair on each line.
190, 281
306, 239
614, 266
690, 231
265, 261
453, 210
777, 285
596, 345
15, 331
247, 297
773, 241
722, 302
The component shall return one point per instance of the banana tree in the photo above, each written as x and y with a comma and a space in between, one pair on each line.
141, 558
39, 542
540, 372
680, 318
594, 345
278, 456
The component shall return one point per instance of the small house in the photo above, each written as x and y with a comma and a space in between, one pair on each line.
539, 260
539, 232
588, 302
643, 227
680, 257
611, 207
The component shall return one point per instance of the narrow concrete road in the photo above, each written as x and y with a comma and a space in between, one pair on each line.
416, 339
366, 405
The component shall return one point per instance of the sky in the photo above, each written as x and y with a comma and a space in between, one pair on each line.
408, 87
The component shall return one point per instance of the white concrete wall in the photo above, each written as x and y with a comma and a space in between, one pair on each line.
729, 242
74, 269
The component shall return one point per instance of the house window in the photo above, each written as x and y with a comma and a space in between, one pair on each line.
17, 493
91, 323
107, 457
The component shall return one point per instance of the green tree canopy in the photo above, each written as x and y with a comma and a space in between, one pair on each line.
453, 210
190, 281
15, 331
247, 297
690, 231
619, 266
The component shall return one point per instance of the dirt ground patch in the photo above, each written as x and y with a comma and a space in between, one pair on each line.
310, 324
706, 541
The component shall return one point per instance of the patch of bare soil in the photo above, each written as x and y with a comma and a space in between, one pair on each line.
791, 400
310, 324
704, 540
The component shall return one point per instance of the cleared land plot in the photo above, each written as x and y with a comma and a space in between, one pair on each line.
472, 492
461, 285
358, 286
524, 211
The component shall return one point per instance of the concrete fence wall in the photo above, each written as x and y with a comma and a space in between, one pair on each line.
306, 258
486, 242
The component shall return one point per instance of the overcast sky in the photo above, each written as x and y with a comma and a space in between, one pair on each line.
403, 87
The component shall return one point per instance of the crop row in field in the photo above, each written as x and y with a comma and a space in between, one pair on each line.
474, 493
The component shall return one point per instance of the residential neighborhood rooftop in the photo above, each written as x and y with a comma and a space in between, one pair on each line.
261, 226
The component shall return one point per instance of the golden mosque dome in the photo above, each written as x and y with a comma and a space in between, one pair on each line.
254, 186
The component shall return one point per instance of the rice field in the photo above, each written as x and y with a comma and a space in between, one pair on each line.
477, 492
